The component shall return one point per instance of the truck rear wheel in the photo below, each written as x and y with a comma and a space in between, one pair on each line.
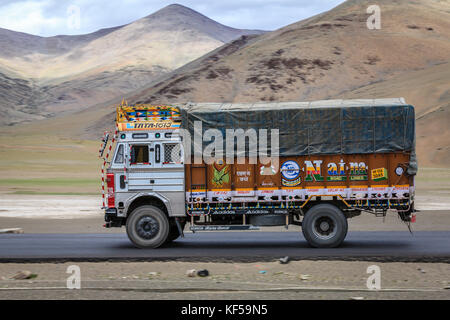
324, 226
147, 227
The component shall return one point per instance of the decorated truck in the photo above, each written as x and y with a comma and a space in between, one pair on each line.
219, 167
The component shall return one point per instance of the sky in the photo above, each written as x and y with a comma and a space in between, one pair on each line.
56, 17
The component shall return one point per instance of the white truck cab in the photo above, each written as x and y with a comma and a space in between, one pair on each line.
146, 170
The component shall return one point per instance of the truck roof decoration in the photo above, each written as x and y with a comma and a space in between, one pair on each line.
147, 117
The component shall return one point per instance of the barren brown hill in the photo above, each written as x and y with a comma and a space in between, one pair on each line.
42, 77
332, 55
429, 91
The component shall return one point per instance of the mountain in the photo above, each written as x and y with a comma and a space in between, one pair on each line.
334, 55
43, 77
18, 44
428, 90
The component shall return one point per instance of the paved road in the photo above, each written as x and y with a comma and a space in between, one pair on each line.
426, 246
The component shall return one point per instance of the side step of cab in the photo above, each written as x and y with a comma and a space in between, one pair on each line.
223, 227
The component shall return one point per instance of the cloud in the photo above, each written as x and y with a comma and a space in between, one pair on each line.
53, 17
29, 17
268, 15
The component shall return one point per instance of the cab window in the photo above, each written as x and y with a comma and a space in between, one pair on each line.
172, 153
119, 155
139, 154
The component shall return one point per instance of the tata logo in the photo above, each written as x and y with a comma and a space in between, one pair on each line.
290, 170
130, 126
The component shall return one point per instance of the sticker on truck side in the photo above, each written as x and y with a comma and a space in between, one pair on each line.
379, 174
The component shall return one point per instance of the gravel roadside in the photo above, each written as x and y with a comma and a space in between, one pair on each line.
265, 280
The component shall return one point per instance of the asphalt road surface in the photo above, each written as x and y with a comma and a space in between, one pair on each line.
423, 246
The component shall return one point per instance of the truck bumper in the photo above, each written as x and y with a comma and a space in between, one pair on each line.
112, 220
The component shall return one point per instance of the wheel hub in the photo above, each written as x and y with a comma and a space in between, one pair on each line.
147, 227
324, 227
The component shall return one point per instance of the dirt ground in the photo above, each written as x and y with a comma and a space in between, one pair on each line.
265, 280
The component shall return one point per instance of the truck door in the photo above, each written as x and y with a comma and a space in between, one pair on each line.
118, 164
141, 162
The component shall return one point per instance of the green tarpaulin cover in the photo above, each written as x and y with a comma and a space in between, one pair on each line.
318, 127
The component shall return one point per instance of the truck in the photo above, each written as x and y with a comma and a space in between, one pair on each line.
243, 166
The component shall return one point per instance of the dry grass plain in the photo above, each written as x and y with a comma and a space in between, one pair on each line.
34, 160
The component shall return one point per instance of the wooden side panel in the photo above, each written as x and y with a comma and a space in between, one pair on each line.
398, 165
358, 171
220, 176
379, 173
195, 176
337, 172
292, 175
243, 177
334, 172
267, 176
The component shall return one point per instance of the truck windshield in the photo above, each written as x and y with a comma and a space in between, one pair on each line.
139, 154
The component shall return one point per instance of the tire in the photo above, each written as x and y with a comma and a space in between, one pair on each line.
173, 231
324, 226
148, 227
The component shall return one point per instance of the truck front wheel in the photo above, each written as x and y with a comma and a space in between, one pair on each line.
147, 227
324, 226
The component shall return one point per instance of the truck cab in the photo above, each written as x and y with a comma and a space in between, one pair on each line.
146, 170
